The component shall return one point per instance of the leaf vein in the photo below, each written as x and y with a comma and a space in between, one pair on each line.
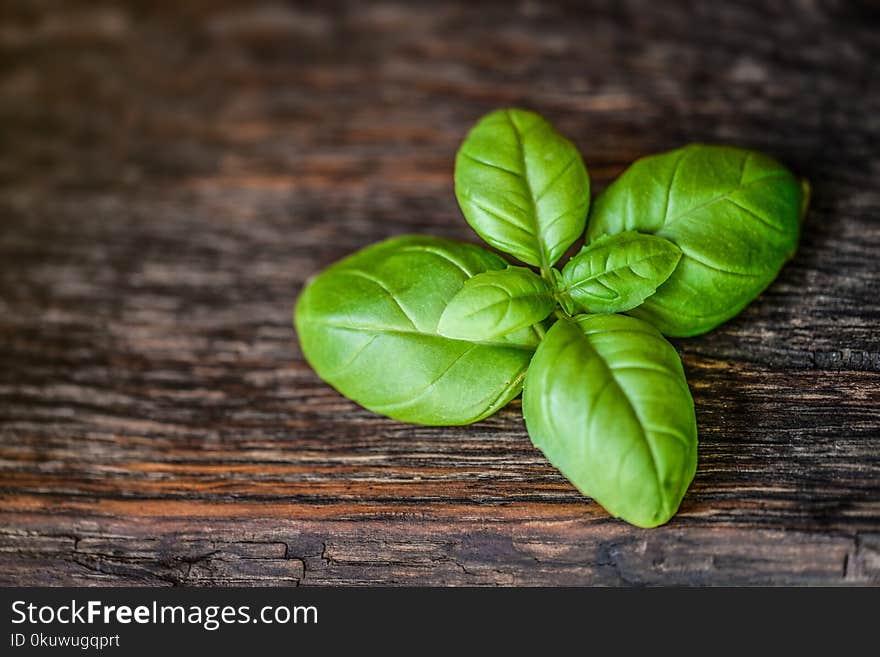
693, 256
376, 281
500, 216
556, 178
720, 197
669, 189
492, 165
444, 256
437, 336
427, 389
351, 360
760, 219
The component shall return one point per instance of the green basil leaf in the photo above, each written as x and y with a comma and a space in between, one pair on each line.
735, 215
617, 273
522, 186
606, 401
368, 326
497, 303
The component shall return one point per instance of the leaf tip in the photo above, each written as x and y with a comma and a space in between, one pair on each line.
806, 193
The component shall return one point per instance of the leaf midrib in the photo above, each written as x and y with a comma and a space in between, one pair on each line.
643, 432
539, 238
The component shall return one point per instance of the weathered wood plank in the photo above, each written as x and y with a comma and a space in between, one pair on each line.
571, 552
171, 175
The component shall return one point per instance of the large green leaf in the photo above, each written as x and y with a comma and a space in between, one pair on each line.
496, 303
606, 401
735, 215
617, 273
368, 326
522, 186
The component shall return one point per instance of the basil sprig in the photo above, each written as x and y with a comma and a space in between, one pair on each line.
437, 332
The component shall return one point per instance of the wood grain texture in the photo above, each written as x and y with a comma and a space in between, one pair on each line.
171, 173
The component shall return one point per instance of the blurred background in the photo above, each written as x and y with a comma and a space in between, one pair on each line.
172, 172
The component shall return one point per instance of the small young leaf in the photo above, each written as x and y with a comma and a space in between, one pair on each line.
617, 273
735, 215
606, 401
368, 326
497, 303
522, 186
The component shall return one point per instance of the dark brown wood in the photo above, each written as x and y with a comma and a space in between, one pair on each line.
170, 175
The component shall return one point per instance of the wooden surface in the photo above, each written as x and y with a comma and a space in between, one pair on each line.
169, 177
